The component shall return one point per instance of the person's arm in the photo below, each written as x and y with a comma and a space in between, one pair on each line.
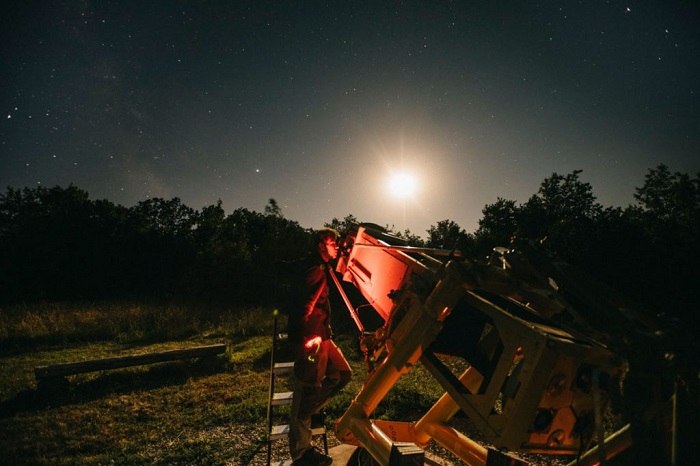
315, 283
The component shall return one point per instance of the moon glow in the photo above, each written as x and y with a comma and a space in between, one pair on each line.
403, 185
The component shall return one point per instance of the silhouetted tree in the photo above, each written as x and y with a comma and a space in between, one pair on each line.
166, 217
447, 234
273, 209
162, 245
498, 225
347, 224
563, 211
668, 213
207, 227
567, 198
410, 238
670, 203
54, 243
250, 247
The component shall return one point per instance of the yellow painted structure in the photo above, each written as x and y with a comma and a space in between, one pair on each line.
530, 386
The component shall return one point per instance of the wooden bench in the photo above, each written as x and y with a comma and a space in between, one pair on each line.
43, 374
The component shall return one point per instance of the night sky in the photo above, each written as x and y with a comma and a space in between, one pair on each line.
316, 104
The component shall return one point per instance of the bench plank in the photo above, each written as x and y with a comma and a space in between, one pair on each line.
69, 368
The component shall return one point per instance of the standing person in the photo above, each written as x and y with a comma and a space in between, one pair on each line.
320, 369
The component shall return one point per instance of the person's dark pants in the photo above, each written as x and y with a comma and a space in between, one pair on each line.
317, 379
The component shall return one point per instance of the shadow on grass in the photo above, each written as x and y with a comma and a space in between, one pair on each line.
61, 392
258, 447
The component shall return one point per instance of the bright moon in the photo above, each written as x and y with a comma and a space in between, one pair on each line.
403, 185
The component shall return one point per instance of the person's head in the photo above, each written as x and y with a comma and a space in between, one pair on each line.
326, 244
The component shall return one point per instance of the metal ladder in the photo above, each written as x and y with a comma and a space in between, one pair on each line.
282, 398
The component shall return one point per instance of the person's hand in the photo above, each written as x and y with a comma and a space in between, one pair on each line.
312, 346
313, 343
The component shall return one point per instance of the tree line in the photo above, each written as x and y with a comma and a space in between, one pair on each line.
57, 244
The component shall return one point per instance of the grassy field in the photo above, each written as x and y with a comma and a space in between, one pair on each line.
191, 412
187, 412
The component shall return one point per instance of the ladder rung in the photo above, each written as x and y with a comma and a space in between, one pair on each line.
278, 432
281, 431
281, 368
281, 398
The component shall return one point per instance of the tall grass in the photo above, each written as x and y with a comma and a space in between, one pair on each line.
123, 322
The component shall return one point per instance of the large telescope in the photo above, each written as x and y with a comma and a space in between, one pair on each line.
528, 384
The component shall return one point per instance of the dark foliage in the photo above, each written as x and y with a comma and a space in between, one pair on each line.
57, 244
649, 252
446, 234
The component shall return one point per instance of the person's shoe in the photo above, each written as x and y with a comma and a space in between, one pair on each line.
313, 457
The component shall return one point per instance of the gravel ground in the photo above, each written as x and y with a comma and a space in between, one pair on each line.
246, 442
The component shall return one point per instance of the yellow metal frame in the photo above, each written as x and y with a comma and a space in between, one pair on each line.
419, 326
547, 361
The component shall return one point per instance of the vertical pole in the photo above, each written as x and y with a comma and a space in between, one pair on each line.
272, 387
